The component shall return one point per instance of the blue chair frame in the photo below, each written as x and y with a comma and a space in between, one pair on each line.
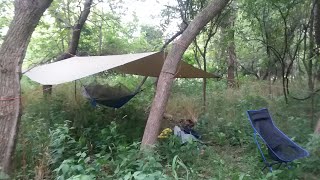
274, 155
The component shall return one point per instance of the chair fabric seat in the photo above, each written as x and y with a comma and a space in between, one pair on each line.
280, 147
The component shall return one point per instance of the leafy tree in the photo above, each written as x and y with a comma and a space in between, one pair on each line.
75, 38
170, 67
13, 49
6, 9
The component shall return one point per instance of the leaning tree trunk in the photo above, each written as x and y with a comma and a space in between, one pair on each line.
170, 67
12, 53
74, 42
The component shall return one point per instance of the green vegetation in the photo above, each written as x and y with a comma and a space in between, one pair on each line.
63, 137
266, 52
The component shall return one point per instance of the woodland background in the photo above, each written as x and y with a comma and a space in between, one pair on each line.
266, 52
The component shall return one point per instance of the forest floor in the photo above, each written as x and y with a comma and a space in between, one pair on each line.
63, 137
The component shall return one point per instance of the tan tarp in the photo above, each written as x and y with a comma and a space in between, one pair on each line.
144, 64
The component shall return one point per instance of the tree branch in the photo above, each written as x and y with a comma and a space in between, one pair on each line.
171, 39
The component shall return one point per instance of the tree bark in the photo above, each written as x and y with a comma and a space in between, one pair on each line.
170, 67
316, 13
231, 53
74, 43
12, 53
309, 68
317, 129
204, 87
231, 65
311, 80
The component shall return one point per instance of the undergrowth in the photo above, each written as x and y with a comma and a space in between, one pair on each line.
63, 137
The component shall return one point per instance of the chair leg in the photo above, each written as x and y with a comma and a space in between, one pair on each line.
260, 150
279, 165
267, 166
288, 166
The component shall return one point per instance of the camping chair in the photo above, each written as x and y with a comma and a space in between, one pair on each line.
280, 147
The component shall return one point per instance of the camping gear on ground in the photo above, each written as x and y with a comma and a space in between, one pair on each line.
188, 130
187, 126
185, 137
280, 147
165, 133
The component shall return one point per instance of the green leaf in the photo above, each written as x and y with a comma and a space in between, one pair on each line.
3, 176
127, 176
81, 177
83, 154
65, 168
87, 160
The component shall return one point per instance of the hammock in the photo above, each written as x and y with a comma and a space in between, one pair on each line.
111, 96
280, 147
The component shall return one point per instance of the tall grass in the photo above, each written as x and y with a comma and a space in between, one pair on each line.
64, 137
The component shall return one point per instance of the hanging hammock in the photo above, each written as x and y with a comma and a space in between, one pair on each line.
111, 96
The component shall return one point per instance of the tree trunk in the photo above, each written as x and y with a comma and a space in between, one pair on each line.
317, 129
316, 13
204, 86
170, 67
74, 43
310, 71
100, 38
270, 87
231, 53
231, 65
12, 53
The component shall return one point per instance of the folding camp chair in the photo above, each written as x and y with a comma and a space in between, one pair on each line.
280, 147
